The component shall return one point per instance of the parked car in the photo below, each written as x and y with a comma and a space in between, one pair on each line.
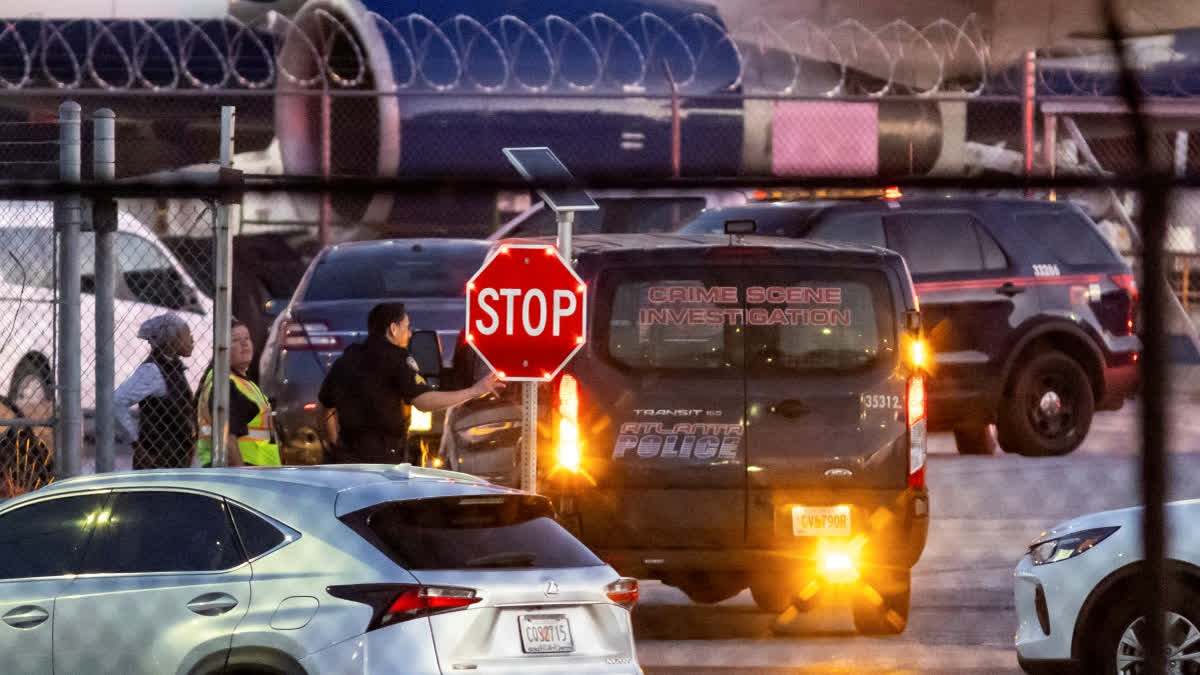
366, 569
149, 281
1029, 310
1077, 594
329, 310
745, 414
622, 211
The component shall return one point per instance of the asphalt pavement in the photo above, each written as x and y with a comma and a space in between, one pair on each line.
985, 510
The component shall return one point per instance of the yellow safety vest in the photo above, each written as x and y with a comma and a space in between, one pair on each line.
256, 446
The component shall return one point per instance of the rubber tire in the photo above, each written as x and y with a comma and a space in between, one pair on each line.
975, 440
1014, 428
1182, 599
702, 590
770, 596
891, 616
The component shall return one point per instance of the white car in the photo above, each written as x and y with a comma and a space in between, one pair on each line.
1076, 591
149, 281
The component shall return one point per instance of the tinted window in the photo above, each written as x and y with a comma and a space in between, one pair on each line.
1071, 239
46, 538
806, 320
258, 536
677, 318
163, 532
855, 228
938, 242
398, 271
475, 533
651, 214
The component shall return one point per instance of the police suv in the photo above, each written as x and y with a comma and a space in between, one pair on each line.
746, 412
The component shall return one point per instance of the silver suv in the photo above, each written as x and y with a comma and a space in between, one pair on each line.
355, 569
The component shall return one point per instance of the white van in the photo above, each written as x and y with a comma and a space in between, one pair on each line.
149, 281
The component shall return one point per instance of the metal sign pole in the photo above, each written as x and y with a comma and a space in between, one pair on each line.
222, 306
529, 428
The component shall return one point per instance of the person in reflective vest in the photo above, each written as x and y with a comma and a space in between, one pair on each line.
250, 440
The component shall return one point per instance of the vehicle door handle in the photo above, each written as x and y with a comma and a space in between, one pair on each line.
26, 616
213, 604
1010, 289
791, 408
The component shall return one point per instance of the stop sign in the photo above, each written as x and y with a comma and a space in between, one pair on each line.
526, 311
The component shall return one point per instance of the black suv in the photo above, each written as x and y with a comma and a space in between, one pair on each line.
1028, 309
743, 414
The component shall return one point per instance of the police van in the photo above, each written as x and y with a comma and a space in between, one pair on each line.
746, 412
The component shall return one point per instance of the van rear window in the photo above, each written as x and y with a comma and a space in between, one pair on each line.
773, 319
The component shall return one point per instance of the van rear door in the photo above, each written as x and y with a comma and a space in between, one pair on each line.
662, 404
825, 397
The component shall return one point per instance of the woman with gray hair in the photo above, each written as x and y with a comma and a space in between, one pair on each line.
165, 434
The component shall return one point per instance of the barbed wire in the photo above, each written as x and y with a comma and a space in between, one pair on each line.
595, 53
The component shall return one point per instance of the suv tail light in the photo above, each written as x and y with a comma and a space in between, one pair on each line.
623, 591
916, 431
393, 603
307, 335
1127, 283
569, 452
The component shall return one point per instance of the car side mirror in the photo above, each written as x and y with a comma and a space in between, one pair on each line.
275, 307
426, 348
912, 321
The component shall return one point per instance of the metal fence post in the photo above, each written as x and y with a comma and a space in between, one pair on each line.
104, 167
223, 302
68, 216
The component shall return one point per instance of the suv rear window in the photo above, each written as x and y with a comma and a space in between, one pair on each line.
394, 272
1071, 239
770, 318
475, 532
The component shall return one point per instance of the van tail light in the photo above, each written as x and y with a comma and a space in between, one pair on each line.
1128, 283
300, 335
916, 431
569, 451
623, 591
394, 603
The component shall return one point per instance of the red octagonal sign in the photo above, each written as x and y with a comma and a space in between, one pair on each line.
526, 312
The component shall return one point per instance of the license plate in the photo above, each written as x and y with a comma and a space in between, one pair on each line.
821, 521
545, 634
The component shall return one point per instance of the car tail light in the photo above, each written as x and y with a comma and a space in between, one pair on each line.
569, 451
916, 431
393, 603
307, 335
1128, 283
623, 591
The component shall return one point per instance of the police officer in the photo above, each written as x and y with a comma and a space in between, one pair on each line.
250, 440
370, 388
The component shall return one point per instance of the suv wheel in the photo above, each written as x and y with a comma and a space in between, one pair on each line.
1050, 408
883, 609
1121, 634
975, 440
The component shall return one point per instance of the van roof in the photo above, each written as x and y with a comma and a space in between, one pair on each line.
40, 214
603, 243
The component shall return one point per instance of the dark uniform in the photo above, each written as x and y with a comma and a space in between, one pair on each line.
165, 431
372, 386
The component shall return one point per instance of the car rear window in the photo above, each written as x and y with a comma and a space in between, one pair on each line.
1070, 238
401, 271
475, 532
772, 318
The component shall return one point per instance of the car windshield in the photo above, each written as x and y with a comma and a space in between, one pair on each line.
399, 271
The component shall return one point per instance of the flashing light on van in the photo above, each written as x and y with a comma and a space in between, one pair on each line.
569, 447
918, 354
892, 193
